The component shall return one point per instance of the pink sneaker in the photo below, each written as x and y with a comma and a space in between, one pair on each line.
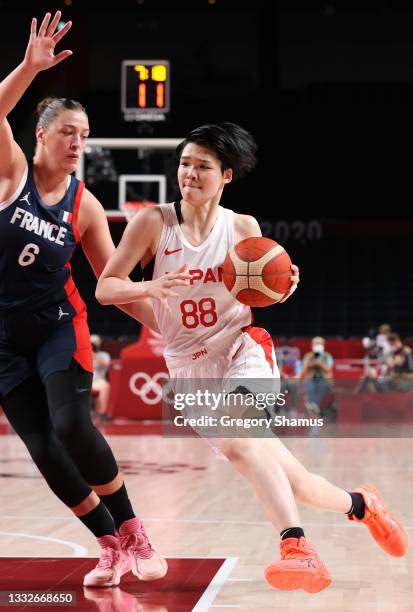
112, 565
147, 562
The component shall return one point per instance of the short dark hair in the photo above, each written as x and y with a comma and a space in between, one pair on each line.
234, 146
48, 110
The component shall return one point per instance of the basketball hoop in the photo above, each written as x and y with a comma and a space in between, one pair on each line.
131, 208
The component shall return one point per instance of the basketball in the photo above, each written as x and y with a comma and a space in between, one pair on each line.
257, 272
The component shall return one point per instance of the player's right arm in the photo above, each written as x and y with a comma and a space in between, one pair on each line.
39, 56
139, 242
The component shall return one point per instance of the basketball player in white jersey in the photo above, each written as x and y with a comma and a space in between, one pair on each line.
209, 335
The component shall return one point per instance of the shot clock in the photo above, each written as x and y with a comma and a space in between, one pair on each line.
145, 89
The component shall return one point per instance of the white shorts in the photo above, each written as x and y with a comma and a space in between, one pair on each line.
247, 363
250, 355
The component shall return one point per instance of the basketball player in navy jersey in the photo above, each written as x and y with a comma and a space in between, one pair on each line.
46, 359
208, 335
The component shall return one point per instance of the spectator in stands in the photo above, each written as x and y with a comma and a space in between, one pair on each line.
385, 373
100, 383
376, 343
399, 365
376, 346
396, 374
318, 374
289, 365
382, 340
372, 380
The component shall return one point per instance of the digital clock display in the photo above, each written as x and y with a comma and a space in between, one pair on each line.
145, 86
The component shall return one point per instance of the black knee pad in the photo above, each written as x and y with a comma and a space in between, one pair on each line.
69, 404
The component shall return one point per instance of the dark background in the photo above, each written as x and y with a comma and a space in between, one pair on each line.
326, 88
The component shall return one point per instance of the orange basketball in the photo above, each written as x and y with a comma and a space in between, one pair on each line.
257, 271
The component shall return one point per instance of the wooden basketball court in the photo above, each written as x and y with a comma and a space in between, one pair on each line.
206, 520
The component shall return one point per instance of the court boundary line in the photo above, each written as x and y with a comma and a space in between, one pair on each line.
215, 585
78, 549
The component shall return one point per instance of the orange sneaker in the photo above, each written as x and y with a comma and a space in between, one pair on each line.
385, 529
299, 568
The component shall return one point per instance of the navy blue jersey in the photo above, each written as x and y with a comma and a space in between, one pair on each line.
36, 244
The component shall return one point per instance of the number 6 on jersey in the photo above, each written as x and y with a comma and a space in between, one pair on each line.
28, 254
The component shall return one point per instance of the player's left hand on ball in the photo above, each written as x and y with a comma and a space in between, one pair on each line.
295, 279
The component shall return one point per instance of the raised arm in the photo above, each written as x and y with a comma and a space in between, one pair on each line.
39, 56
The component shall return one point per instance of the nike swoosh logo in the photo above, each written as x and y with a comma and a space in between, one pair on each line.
170, 252
79, 390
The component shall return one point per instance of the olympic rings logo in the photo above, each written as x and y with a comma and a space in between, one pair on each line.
149, 386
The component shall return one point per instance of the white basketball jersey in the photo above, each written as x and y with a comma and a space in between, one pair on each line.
205, 316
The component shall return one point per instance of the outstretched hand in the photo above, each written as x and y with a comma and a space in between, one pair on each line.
40, 49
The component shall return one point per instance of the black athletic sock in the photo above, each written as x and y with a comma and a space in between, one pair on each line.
119, 505
358, 506
99, 521
292, 532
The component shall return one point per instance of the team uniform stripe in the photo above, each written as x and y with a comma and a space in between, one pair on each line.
76, 207
83, 354
263, 338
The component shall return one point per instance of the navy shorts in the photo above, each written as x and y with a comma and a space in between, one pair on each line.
44, 342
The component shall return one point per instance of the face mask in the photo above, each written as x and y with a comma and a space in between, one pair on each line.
318, 348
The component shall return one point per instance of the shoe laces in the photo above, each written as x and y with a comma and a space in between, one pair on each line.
382, 526
292, 551
138, 543
108, 558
